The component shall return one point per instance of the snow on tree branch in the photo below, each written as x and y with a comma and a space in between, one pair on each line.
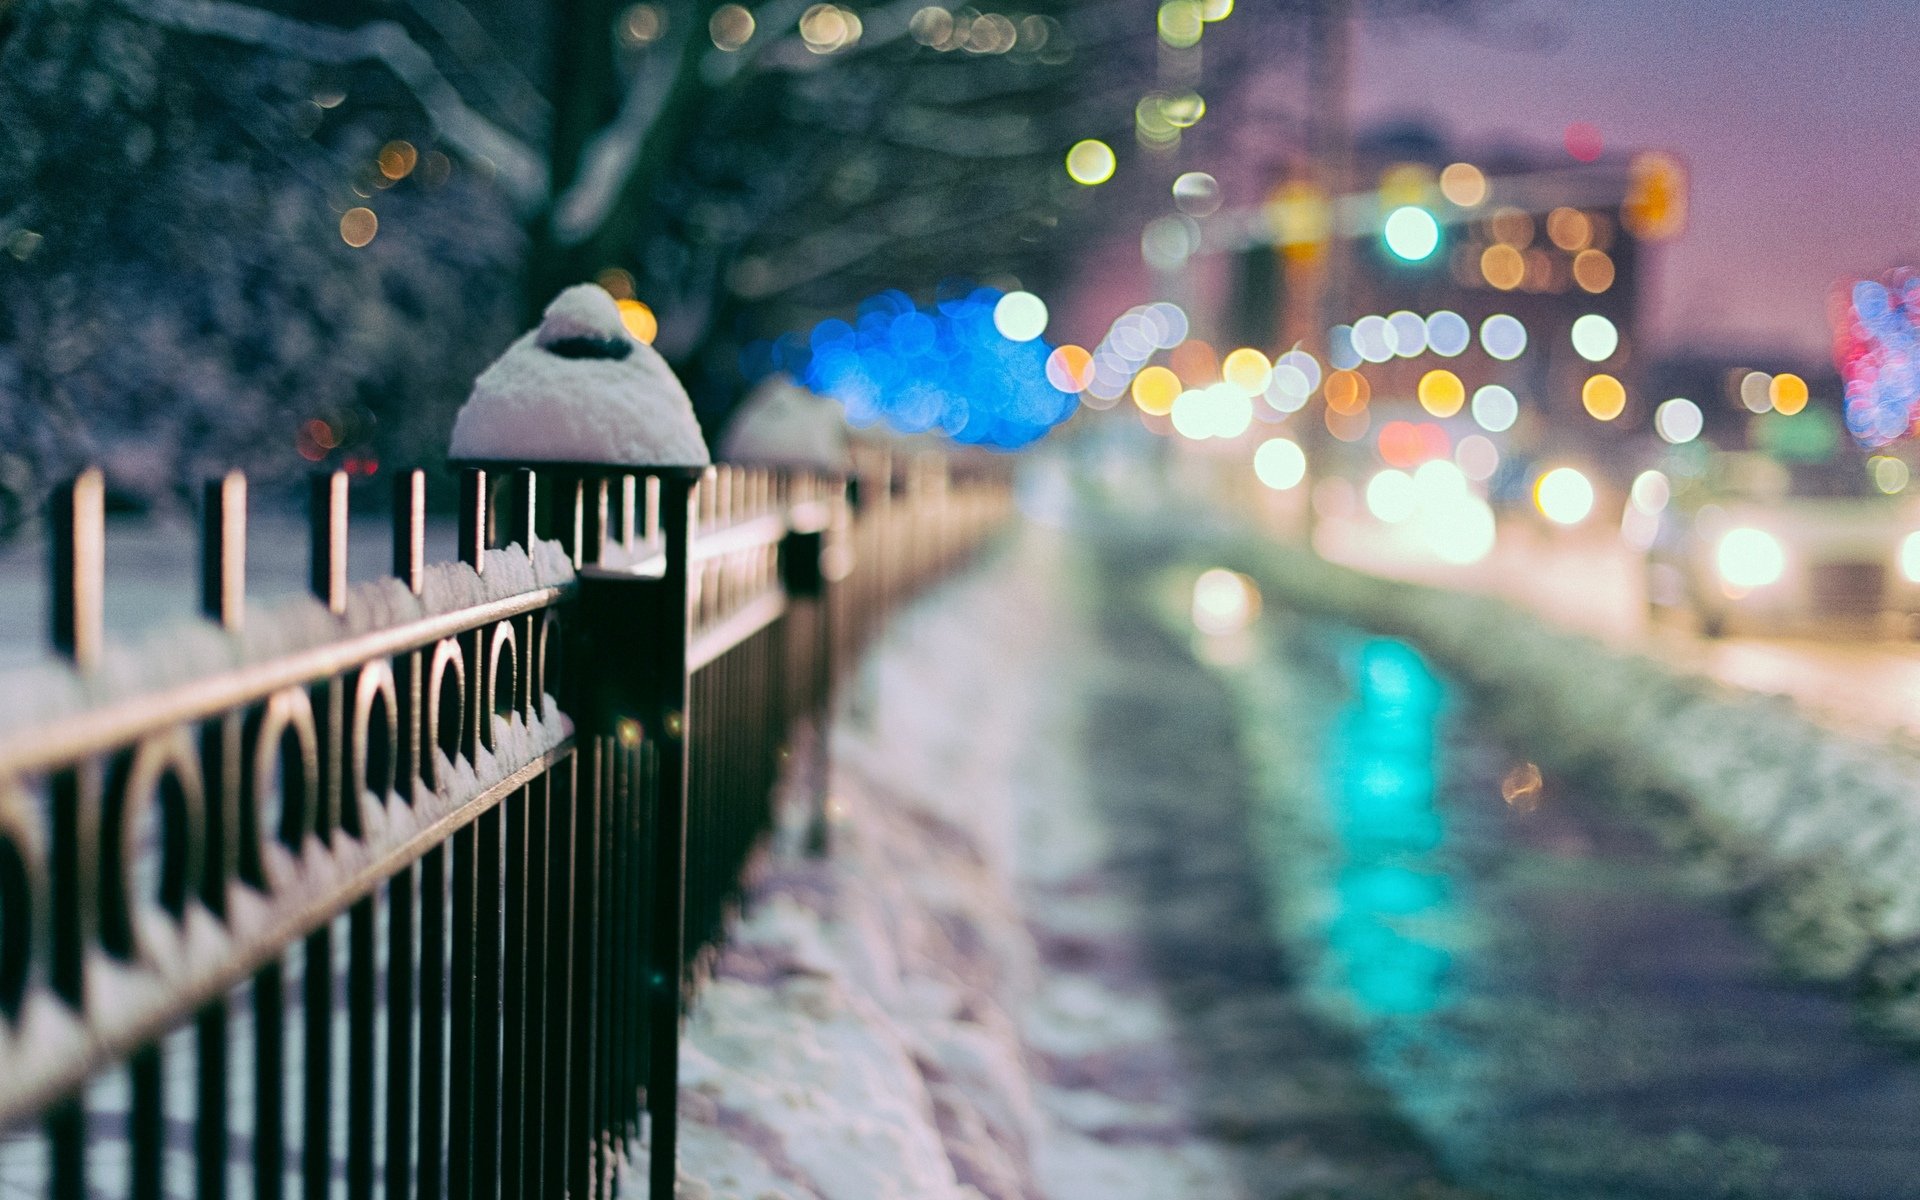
610, 157
520, 170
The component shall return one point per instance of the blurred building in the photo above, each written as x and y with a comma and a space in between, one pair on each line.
1494, 293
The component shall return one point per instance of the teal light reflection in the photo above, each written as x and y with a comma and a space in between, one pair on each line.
1389, 888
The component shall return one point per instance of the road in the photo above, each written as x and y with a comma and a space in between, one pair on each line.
1587, 580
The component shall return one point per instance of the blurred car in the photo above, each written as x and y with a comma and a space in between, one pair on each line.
1758, 542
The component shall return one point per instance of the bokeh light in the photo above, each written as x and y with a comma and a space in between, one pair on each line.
1448, 333
1495, 408
1756, 391
1373, 338
1890, 474
1564, 496
1390, 496
944, 368
1569, 228
1593, 271
1651, 491
731, 26
1503, 337
1441, 392
1604, 397
1247, 369
1594, 337
1224, 602
358, 226
1750, 558
1195, 361
1503, 267
1280, 463
1877, 348
1155, 389
1408, 333
1400, 444
1091, 161
1347, 392
1020, 316
639, 320
1347, 426
1463, 184
1477, 457
1511, 227
1583, 141
1197, 194
1788, 392
1411, 233
1181, 23
1070, 368
1678, 421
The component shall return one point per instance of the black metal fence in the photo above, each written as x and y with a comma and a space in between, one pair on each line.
401, 891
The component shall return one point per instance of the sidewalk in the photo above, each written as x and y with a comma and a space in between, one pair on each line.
1036, 965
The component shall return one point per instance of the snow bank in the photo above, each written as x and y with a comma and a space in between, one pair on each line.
1820, 832
579, 389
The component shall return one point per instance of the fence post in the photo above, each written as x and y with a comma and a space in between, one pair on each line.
803, 572
594, 407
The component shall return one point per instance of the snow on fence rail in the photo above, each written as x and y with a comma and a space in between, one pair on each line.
402, 889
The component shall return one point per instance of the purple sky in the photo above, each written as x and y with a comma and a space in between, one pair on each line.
1795, 116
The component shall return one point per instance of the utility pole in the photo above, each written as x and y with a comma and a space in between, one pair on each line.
1330, 145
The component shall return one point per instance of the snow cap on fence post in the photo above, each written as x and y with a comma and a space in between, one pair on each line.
582, 391
783, 424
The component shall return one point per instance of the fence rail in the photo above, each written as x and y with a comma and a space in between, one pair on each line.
402, 890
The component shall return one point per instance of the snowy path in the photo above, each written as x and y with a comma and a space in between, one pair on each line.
1035, 965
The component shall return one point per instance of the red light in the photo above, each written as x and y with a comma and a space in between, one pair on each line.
1400, 444
1583, 141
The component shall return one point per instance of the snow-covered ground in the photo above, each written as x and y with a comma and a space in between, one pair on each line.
975, 996
873, 1028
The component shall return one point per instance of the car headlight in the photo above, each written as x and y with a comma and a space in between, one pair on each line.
1910, 557
1751, 558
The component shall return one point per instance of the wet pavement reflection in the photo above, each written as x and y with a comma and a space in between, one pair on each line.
1561, 1007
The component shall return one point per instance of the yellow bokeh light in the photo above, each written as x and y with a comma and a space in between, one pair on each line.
357, 226
1569, 229
1604, 397
397, 159
1091, 162
1442, 393
1347, 392
1404, 183
1181, 23
825, 28
1503, 267
1463, 184
1593, 271
1215, 10
1185, 110
639, 320
1247, 369
1154, 390
731, 27
1789, 393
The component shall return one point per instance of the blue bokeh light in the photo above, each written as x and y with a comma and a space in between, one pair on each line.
943, 368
